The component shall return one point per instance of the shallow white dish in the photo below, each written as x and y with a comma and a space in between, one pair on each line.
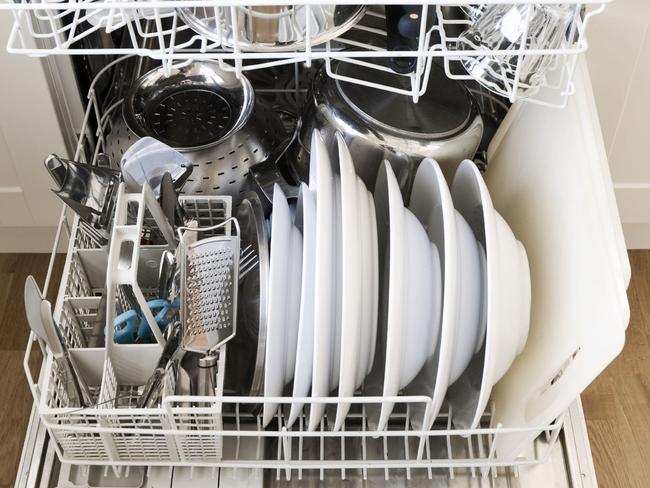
471, 285
507, 298
412, 266
306, 222
321, 180
431, 203
357, 282
370, 282
285, 276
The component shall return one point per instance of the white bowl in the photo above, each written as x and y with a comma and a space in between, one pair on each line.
411, 272
507, 297
431, 203
470, 285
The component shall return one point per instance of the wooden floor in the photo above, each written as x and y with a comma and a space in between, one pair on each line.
15, 398
617, 404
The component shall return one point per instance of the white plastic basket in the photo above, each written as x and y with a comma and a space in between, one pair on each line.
154, 28
103, 434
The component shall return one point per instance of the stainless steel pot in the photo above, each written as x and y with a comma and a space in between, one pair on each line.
271, 28
444, 125
210, 116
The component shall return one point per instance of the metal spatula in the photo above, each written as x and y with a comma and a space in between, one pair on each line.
39, 316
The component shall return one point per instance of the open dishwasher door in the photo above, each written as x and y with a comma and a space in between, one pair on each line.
549, 177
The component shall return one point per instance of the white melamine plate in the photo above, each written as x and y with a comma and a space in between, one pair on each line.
284, 302
325, 303
507, 298
306, 222
431, 203
355, 267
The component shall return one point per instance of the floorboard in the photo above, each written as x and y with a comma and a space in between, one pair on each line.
15, 397
617, 403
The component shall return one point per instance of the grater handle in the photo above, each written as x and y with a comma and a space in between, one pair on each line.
232, 220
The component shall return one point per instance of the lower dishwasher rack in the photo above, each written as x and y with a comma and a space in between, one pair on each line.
569, 464
186, 441
226, 431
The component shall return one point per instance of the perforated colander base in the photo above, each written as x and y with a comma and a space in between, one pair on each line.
191, 118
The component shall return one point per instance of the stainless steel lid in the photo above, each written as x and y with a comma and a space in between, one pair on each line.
245, 359
442, 111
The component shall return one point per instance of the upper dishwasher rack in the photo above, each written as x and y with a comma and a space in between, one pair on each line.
158, 29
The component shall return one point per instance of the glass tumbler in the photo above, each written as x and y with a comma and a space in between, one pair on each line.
512, 28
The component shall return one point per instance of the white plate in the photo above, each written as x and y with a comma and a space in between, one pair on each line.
337, 263
471, 286
322, 180
306, 222
370, 282
507, 298
284, 302
354, 268
372, 285
412, 266
431, 203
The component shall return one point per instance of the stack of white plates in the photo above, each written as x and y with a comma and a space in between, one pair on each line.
369, 296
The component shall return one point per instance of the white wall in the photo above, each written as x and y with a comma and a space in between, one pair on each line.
29, 131
619, 63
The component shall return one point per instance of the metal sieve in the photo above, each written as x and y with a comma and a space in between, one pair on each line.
209, 115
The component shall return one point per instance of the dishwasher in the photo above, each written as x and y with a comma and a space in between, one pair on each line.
248, 104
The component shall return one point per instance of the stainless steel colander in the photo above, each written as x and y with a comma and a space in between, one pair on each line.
209, 115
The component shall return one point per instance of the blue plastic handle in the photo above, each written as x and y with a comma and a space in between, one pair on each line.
124, 327
163, 306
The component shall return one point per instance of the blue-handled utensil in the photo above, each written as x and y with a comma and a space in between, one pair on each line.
130, 327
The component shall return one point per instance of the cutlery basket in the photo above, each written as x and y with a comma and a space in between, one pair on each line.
115, 431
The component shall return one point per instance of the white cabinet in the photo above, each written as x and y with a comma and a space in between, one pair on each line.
30, 129
618, 61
